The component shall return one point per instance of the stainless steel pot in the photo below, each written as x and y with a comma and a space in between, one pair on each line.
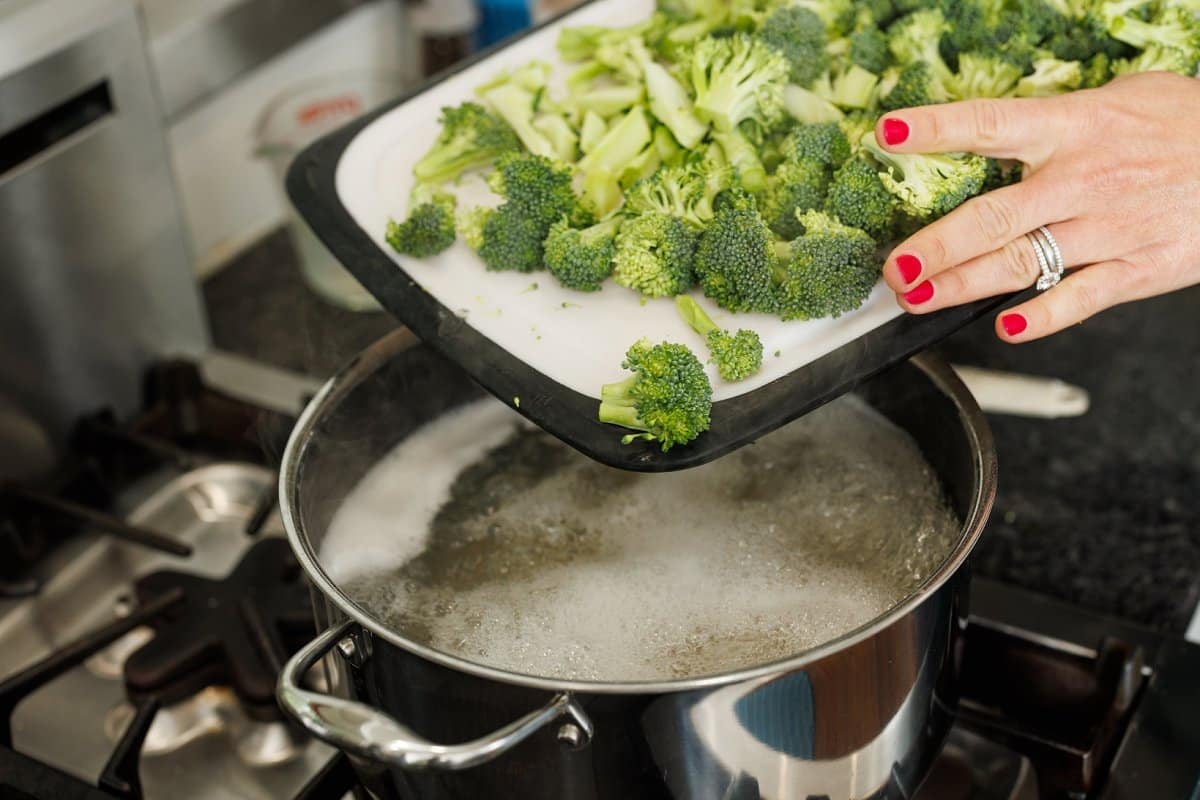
858, 717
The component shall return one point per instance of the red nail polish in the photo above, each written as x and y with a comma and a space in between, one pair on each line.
909, 266
1013, 324
920, 294
895, 131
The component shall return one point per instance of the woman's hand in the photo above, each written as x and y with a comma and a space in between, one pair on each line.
1113, 173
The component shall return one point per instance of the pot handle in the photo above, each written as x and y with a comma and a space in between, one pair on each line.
362, 731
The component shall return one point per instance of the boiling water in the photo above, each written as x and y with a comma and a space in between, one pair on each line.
488, 540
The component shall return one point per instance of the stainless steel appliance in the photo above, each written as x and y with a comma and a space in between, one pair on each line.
96, 281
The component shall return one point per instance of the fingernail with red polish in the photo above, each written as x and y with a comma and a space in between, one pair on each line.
909, 266
895, 131
920, 294
1013, 324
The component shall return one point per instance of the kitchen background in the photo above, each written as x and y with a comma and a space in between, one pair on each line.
142, 219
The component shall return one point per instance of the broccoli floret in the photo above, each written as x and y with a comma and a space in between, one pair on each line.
856, 125
582, 42
914, 85
1155, 59
1050, 77
655, 255
429, 228
603, 166
471, 137
669, 100
537, 193
983, 75
869, 50
1175, 28
1097, 71
581, 259
799, 36
668, 397
831, 271
798, 185
735, 260
686, 191
838, 15
560, 134
849, 86
859, 199
742, 157
737, 79
736, 355
808, 107
929, 185
825, 143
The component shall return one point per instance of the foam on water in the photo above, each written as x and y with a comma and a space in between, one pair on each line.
512, 550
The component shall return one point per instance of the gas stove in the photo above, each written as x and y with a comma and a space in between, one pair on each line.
147, 602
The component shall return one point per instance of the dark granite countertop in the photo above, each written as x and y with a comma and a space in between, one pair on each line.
1101, 510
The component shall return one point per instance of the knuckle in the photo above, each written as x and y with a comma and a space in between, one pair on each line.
995, 217
1019, 263
1085, 300
988, 122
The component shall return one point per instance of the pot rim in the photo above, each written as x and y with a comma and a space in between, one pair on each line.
380, 352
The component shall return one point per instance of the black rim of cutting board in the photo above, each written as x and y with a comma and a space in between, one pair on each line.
561, 411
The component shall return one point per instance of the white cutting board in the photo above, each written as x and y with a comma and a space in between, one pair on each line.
582, 344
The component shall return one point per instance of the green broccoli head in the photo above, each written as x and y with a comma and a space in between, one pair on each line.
538, 187
738, 78
1050, 77
581, 259
913, 85
798, 35
735, 260
917, 37
797, 186
831, 271
655, 255
859, 199
668, 397
471, 137
506, 239
1155, 59
429, 228
869, 50
929, 185
983, 75
686, 191
737, 356
1175, 28
838, 15
825, 143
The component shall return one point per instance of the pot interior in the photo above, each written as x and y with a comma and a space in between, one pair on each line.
448, 524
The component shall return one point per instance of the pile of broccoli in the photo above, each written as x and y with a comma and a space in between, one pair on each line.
728, 145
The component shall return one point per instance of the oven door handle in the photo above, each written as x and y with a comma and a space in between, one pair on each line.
363, 731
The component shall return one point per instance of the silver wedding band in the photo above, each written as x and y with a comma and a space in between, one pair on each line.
1049, 258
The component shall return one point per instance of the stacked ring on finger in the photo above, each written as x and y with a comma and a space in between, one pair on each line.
1049, 257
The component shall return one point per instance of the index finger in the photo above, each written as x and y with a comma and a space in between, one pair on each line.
1024, 129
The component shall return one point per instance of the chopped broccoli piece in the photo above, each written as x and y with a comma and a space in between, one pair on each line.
869, 50
592, 131
685, 191
838, 15
914, 85
825, 143
1050, 77
917, 37
515, 97
831, 271
471, 137
743, 158
607, 101
858, 198
429, 228
1155, 59
669, 100
737, 79
798, 35
655, 255
1175, 28
929, 185
561, 136
798, 185
735, 260
737, 356
603, 167
808, 107
849, 87
983, 75
581, 259
668, 397
1097, 71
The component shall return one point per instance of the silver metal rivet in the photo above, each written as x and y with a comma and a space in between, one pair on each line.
348, 648
571, 735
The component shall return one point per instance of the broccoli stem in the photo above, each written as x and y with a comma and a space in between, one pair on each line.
625, 416
618, 393
694, 315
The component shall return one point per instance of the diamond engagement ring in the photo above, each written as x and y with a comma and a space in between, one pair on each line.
1049, 258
